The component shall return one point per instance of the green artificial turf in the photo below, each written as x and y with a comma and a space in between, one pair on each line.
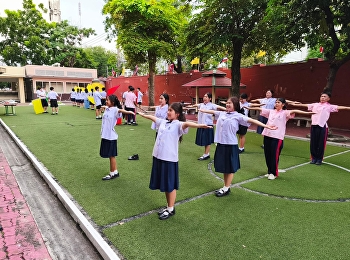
300, 215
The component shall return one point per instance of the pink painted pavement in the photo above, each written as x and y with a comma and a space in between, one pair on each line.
20, 237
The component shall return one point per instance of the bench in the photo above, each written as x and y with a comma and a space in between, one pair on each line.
300, 119
191, 110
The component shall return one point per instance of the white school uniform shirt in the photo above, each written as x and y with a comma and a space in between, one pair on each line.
269, 103
52, 95
227, 125
205, 118
245, 104
139, 96
103, 94
73, 94
276, 118
109, 120
97, 98
161, 112
84, 95
41, 94
166, 147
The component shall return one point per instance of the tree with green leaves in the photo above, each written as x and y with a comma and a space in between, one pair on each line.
63, 44
103, 60
324, 23
227, 26
29, 39
145, 30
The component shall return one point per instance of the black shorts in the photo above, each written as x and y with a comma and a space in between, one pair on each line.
44, 102
53, 103
242, 130
72, 99
98, 107
139, 103
103, 102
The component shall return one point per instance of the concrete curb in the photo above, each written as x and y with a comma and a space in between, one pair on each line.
93, 235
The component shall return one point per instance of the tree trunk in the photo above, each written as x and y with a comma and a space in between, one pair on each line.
152, 57
332, 73
236, 68
179, 64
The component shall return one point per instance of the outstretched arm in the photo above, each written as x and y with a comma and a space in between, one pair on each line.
343, 108
221, 108
207, 111
194, 125
150, 117
256, 105
298, 104
126, 112
255, 101
256, 122
253, 108
297, 111
191, 106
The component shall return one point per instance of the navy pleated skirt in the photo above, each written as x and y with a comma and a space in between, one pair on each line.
204, 136
226, 158
108, 148
164, 175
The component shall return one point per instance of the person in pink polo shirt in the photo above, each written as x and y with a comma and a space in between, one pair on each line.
273, 140
319, 127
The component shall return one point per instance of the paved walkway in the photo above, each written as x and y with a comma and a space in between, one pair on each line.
19, 237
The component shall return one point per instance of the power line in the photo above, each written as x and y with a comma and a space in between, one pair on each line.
95, 40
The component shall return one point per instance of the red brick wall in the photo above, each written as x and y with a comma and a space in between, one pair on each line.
302, 81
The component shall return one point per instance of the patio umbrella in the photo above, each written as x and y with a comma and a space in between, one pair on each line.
112, 90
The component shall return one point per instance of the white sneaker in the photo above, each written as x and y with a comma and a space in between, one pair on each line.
271, 177
267, 175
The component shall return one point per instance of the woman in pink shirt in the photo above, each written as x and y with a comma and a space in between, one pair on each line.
319, 127
273, 140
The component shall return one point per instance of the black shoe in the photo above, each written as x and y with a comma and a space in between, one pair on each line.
125, 123
313, 161
134, 123
166, 214
162, 211
318, 162
221, 192
202, 158
262, 146
241, 151
134, 157
110, 177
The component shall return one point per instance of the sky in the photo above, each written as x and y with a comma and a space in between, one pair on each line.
91, 17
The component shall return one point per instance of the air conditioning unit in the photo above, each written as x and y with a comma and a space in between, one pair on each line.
2, 70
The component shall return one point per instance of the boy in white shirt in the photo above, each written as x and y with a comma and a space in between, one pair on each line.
52, 95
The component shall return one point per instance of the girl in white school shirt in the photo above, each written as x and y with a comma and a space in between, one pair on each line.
108, 148
165, 169
226, 158
161, 110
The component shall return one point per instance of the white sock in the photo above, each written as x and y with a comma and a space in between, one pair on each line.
225, 188
241, 148
206, 154
170, 209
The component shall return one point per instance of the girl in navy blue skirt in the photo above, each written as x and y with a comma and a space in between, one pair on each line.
108, 148
226, 158
165, 169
